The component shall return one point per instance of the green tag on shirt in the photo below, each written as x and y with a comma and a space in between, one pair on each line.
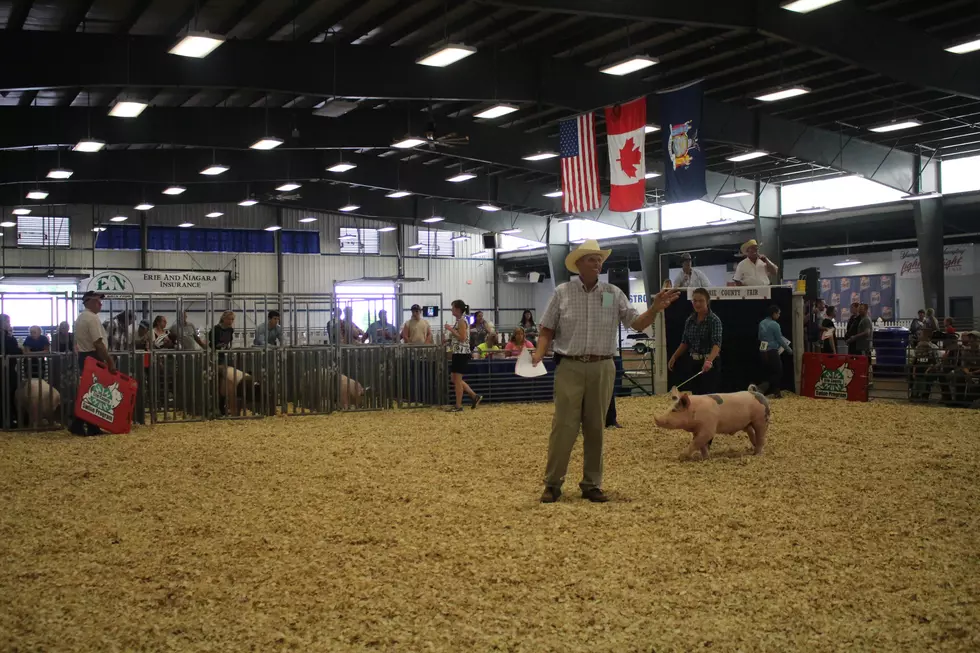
607, 300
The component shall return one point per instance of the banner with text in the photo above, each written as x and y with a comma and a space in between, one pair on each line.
157, 281
736, 292
957, 261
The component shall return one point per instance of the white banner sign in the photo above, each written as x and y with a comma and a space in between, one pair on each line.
736, 292
957, 261
161, 281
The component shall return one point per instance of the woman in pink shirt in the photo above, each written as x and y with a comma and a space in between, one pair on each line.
517, 343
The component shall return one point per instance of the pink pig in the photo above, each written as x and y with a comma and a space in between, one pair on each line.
706, 415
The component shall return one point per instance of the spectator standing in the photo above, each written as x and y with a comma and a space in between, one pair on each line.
62, 341
270, 332
186, 335
852, 321
772, 344
37, 342
916, 326
860, 342
223, 336
948, 328
931, 322
417, 331
925, 366
755, 269
950, 365
527, 323
459, 345
828, 332
123, 331
159, 336
965, 381
582, 319
702, 342
479, 330
381, 331
350, 333
518, 341
90, 338
690, 277
10, 348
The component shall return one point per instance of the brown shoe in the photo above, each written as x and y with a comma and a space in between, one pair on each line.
595, 495
550, 495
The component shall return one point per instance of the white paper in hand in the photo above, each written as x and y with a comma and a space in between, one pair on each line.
525, 368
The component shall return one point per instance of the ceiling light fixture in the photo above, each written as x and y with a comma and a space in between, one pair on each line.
915, 197
214, 214
651, 175
288, 187
433, 219
388, 229
273, 227
649, 129
463, 176
21, 211
895, 126
963, 48
8, 223
98, 229
846, 262
407, 142
632, 278
645, 232
417, 246
214, 169
143, 207
59, 173
347, 208
806, 6
397, 194
554, 193
127, 109
782, 93
446, 55
511, 232
631, 65
496, 111
88, 145
733, 194
174, 190
185, 225
747, 156
267, 143
118, 218
37, 194
540, 156
307, 219
343, 166
459, 239
348, 237
814, 209
248, 202
489, 207
197, 45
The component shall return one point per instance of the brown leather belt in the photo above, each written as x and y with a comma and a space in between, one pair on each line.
590, 359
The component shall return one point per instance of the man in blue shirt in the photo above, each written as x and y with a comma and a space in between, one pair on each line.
270, 332
772, 345
382, 331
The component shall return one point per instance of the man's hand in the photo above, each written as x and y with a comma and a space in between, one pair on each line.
665, 298
707, 366
670, 364
762, 257
111, 364
536, 358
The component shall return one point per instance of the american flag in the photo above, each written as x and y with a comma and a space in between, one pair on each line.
579, 169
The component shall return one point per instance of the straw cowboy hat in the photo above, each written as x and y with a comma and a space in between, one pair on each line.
751, 243
586, 248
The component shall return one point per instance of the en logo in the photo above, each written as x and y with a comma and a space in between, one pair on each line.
833, 383
110, 282
101, 401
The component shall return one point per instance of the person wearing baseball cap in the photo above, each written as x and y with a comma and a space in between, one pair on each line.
90, 340
582, 321
755, 269
416, 331
690, 277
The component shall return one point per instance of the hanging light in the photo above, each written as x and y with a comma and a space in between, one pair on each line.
37, 195
59, 173
214, 169
21, 211
288, 186
631, 65
448, 54
214, 214
143, 207
118, 218
343, 166
267, 143
173, 190
197, 45
846, 262
88, 145
248, 202
496, 111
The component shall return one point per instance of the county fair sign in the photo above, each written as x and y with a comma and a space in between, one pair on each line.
957, 261
148, 281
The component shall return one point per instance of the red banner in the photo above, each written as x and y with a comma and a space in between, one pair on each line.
835, 376
104, 399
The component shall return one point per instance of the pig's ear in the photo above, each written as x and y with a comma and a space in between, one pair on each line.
685, 401
674, 393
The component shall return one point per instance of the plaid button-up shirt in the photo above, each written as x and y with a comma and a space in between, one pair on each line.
700, 337
584, 323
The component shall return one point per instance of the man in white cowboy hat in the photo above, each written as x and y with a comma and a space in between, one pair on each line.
582, 321
755, 269
690, 277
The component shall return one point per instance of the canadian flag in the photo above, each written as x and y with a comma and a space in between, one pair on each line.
625, 128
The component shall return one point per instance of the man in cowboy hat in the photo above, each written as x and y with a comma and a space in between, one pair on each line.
755, 269
690, 277
582, 320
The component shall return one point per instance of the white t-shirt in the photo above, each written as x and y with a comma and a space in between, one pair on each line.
88, 329
752, 274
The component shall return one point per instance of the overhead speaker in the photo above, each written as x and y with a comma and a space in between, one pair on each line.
491, 240
812, 278
620, 277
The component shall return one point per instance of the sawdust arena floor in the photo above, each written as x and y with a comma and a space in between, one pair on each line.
859, 530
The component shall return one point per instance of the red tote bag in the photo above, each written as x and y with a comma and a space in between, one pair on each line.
105, 399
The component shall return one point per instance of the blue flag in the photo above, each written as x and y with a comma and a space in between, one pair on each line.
680, 120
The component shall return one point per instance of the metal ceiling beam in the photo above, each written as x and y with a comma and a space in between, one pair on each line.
133, 16
842, 30
18, 14
293, 11
76, 15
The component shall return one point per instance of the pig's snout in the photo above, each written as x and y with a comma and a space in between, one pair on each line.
663, 421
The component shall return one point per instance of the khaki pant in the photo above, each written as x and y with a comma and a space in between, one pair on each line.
582, 393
